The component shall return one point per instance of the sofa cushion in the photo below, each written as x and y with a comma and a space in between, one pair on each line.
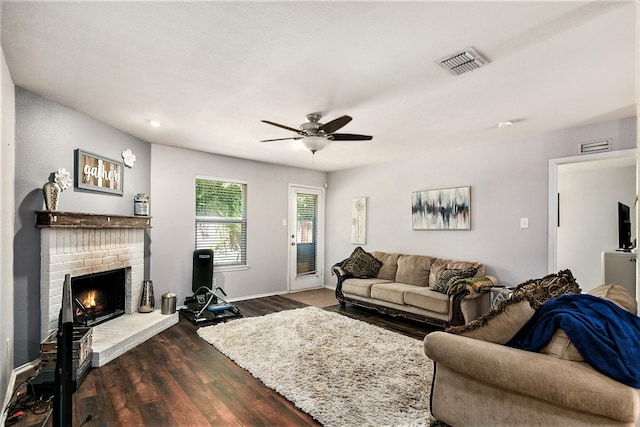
617, 295
427, 299
414, 269
561, 346
389, 264
500, 324
390, 292
361, 264
440, 265
360, 287
448, 282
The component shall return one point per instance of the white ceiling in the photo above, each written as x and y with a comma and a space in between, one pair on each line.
212, 70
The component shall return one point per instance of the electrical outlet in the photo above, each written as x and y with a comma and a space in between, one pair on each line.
214, 282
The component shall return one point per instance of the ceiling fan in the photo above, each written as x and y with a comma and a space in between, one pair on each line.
315, 135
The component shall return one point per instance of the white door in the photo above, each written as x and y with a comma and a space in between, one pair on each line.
306, 237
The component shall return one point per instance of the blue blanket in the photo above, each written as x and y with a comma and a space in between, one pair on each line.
607, 336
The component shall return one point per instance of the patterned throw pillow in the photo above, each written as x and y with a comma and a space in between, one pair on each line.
539, 291
362, 264
448, 278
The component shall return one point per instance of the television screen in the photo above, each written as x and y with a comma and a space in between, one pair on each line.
624, 228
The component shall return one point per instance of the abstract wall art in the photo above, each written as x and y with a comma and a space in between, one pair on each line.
446, 209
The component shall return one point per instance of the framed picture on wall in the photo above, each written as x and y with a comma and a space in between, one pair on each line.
359, 221
97, 173
446, 209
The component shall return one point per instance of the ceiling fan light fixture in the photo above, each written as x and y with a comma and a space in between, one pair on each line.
314, 143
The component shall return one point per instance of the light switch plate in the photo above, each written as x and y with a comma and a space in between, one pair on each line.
524, 222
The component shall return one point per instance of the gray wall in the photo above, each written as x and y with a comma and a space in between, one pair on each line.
589, 216
7, 167
173, 173
508, 179
47, 134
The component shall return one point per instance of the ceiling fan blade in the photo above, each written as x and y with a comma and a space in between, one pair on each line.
350, 137
283, 127
281, 139
336, 124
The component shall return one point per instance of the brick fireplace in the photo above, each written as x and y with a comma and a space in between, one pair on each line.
81, 244
82, 251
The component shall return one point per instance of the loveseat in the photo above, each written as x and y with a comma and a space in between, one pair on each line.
479, 381
441, 292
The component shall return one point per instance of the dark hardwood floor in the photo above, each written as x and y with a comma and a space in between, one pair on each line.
177, 379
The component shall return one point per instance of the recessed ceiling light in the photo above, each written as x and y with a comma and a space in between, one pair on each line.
156, 123
504, 125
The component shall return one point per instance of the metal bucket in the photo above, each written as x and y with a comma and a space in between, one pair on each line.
168, 304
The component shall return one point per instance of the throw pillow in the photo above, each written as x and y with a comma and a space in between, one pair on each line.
539, 291
446, 284
361, 264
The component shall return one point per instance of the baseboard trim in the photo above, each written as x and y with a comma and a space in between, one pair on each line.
12, 384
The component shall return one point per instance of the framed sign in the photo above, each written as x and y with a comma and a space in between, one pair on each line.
97, 173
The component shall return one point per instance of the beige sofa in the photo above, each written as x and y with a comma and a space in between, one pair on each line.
404, 286
478, 382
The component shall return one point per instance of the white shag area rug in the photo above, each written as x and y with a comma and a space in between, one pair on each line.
341, 371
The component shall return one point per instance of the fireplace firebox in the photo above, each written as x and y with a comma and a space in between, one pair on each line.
98, 297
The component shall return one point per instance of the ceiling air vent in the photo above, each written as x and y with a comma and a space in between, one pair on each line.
595, 147
461, 62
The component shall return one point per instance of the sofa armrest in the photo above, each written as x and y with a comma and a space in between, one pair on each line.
564, 383
341, 276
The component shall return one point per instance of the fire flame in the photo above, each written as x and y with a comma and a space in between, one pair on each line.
90, 299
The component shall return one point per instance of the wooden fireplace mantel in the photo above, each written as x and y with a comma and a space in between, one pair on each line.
60, 219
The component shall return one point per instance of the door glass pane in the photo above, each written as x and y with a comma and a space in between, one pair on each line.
306, 233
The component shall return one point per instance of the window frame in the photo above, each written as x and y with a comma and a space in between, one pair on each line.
243, 264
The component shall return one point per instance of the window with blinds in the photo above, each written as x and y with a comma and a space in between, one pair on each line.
306, 233
221, 220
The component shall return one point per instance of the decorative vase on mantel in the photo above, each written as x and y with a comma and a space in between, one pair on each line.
51, 192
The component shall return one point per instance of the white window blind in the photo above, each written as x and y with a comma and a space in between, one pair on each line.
221, 220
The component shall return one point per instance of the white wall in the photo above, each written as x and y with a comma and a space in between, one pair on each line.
7, 181
172, 206
508, 179
589, 199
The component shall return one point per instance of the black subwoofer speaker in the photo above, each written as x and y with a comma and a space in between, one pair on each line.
202, 269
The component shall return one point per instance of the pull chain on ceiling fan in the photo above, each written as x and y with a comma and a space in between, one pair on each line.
315, 135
